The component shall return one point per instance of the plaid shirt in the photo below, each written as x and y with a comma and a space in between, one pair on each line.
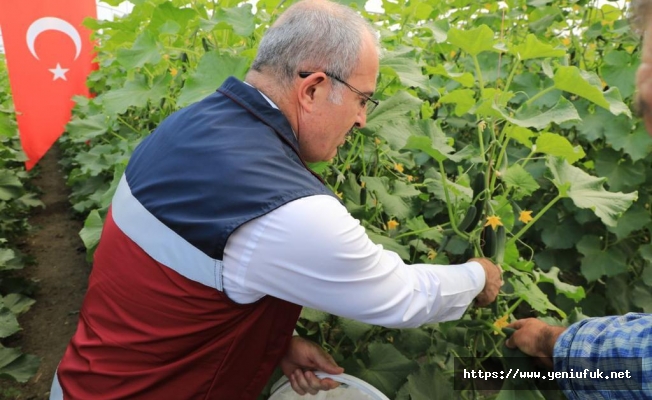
601, 346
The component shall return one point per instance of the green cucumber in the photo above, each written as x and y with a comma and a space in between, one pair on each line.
488, 242
501, 239
467, 222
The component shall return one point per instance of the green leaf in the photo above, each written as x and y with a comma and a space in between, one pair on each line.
9, 260
526, 289
646, 276
598, 262
619, 70
534, 48
466, 79
405, 64
587, 191
83, 129
532, 117
428, 382
314, 315
425, 145
641, 297
464, 100
389, 121
212, 71
413, 342
135, 93
393, 199
8, 323
637, 144
10, 186
572, 292
166, 18
616, 105
16, 365
520, 180
457, 192
354, 330
576, 81
17, 303
635, 218
144, 51
473, 41
90, 233
557, 145
426, 232
240, 19
520, 134
387, 368
7, 125
620, 172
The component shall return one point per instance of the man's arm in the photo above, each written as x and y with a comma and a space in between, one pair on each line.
607, 344
312, 252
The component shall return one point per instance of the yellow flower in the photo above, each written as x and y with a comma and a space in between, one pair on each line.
453, 53
392, 224
525, 216
494, 221
340, 195
566, 41
174, 71
432, 254
410, 178
398, 167
377, 141
501, 323
363, 184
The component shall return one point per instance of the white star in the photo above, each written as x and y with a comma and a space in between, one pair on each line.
59, 73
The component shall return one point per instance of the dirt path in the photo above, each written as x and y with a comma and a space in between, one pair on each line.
62, 274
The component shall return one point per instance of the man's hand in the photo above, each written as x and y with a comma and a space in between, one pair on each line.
493, 281
534, 338
302, 358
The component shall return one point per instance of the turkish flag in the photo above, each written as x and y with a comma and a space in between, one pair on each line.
49, 55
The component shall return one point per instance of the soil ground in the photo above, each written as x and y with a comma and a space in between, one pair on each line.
61, 273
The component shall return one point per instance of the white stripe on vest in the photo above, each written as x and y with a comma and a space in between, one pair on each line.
162, 243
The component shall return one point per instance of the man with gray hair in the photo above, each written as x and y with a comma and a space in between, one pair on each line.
586, 355
219, 233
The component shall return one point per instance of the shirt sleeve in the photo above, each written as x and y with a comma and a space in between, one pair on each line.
312, 252
601, 346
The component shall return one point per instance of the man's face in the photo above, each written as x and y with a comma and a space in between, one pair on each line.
644, 81
325, 129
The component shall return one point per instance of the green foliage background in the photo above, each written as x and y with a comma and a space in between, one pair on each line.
498, 107
17, 198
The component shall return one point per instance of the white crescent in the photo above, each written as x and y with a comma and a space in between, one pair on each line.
52, 24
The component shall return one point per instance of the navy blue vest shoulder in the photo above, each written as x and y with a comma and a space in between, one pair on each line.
218, 163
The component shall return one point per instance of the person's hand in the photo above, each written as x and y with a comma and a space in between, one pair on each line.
303, 357
534, 338
493, 281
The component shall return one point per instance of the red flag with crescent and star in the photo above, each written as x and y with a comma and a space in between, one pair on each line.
49, 54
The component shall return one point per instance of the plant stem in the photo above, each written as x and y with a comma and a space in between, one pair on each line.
537, 96
478, 72
535, 219
451, 214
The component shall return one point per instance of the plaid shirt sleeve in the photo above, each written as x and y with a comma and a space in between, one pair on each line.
605, 345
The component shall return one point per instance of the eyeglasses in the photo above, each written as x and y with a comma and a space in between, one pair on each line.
369, 103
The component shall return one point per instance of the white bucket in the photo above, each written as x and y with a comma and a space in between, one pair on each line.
351, 388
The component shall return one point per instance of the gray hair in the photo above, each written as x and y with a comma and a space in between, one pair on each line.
639, 15
314, 36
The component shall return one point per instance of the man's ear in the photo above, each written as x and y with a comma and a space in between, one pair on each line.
311, 88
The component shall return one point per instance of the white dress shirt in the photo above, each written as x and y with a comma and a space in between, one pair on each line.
312, 252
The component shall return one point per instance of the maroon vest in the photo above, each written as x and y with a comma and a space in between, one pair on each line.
147, 332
